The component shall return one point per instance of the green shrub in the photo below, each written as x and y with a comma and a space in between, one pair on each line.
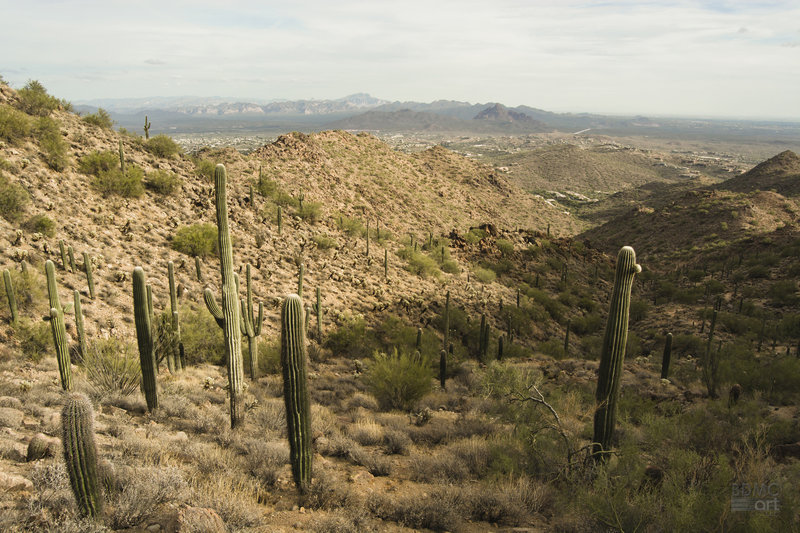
162, 182
505, 246
553, 347
399, 380
203, 340
162, 146
284, 199
638, 310
310, 212
34, 100
783, 292
112, 366
29, 288
14, 125
13, 199
758, 272
265, 187
419, 263
196, 240
351, 226
474, 236
587, 324
114, 182
324, 242
484, 275
96, 162
350, 338
41, 224
52, 143
205, 169
35, 338
101, 119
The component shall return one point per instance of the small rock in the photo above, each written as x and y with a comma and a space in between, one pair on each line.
362, 477
154, 527
10, 417
196, 520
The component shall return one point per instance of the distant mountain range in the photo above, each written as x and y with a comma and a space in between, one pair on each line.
364, 112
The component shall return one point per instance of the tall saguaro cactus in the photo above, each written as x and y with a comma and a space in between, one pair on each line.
80, 453
144, 338
446, 333
252, 325
87, 267
295, 390
58, 328
230, 301
613, 352
665, 359
177, 348
12, 299
79, 322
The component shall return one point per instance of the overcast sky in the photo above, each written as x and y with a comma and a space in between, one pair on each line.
712, 58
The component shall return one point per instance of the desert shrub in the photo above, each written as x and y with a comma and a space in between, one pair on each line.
324, 242
758, 272
349, 339
265, 460
325, 493
351, 226
162, 146
474, 235
94, 163
554, 308
783, 292
13, 199
284, 199
310, 212
35, 338
269, 356
101, 119
14, 125
54, 147
437, 509
265, 186
112, 366
638, 310
34, 99
203, 341
553, 348
419, 263
29, 289
196, 240
505, 246
143, 490
484, 275
587, 324
41, 224
366, 432
205, 168
450, 266
399, 380
116, 183
162, 182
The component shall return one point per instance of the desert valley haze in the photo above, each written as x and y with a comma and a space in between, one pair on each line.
435, 267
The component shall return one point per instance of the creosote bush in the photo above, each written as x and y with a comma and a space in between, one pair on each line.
34, 100
35, 338
162, 146
202, 338
196, 240
101, 119
14, 125
162, 182
13, 199
399, 380
41, 224
115, 182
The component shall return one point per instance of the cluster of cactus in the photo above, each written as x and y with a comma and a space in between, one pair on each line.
58, 327
613, 353
12, 299
80, 453
228, 315
295, 390
143, 317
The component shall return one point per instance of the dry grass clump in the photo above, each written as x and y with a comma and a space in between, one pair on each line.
366, 432
233, 498
345, 522
143, 490
461, 460
361, 400
328, 493
265, 460
337, 445
396, 442
435, 508
377, 465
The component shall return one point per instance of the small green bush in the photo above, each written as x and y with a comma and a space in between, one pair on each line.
96, 162
101, 119
324, 242
783, 292
162, 146
114, 182
399, 380
203, 340
419, 263
196, 240
29, 288
350, 338
474, 236
484, 275
14, 125
505, 246
310, 212
265, 187
35, 338
205, 169
112, 366
41, 224
351, 226
553, 347
13, 199
52, 143
284, 199
162, 182
34, 100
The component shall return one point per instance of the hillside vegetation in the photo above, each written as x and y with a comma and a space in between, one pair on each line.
411, 255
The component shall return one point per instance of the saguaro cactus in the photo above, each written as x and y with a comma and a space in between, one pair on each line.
12, 299
443, 369
121, 157
666, 358
144, 338
87, 267
79, 322
319, 316
613, 352
252, 325
177, 348
63, 249
300, 280
230, 301
146, 129
446, 333
58, 328
80, 453
295, 391
71, 254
